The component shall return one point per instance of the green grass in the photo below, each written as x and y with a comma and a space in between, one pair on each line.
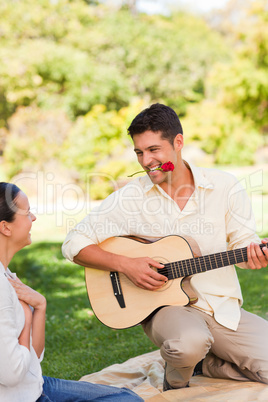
76, 342
254, 288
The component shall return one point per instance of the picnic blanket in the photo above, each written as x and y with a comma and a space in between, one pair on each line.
144, 375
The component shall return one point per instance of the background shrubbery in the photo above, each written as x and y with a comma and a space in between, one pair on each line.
73, 75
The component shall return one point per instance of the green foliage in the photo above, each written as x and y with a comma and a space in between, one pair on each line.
51, 79
96, 148
164, 58
221, 133
61, 59
245, 90
35, 137
244, 82
52, 20
70, 55
42, 63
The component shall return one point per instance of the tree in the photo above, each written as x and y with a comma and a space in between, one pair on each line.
97, 148
70, 55
35, 137
244, 82
226, 136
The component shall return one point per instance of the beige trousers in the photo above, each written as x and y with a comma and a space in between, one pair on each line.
186, 335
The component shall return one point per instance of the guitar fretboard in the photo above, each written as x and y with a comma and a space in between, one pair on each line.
191, 266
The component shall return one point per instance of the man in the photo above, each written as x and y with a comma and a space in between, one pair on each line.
205, 205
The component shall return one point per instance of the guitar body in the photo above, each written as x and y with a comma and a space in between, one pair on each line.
138, 303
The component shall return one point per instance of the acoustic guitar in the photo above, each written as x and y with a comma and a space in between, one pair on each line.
118, 303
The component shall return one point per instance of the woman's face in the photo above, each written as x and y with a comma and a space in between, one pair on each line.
22, 223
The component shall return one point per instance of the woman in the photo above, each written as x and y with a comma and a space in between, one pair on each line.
22, 328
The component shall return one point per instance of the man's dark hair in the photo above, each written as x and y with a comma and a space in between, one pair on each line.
155, 118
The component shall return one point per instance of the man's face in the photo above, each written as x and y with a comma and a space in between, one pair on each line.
152, 151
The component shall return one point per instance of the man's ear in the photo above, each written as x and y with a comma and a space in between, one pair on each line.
5, 228
178, 142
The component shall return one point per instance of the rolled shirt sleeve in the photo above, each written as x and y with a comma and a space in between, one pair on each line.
85, 232
111, 218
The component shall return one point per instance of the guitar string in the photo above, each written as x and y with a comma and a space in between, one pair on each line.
204, 263
176, 269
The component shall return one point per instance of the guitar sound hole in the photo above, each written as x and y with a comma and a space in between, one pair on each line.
164, 261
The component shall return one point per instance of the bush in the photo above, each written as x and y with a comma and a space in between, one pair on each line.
221, 133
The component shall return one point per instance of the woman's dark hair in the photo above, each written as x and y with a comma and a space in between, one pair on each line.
155, 118
8, 194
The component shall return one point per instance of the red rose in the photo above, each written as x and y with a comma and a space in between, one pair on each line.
167, 167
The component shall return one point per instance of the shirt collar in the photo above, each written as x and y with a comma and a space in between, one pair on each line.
199, 178
5, 271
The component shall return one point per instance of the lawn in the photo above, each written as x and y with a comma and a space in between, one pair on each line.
76, 342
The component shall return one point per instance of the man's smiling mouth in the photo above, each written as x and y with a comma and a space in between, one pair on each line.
155, 167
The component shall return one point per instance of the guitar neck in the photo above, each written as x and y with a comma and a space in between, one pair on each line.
191, 266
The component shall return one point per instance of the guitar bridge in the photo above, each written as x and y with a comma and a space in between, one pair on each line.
117, 289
